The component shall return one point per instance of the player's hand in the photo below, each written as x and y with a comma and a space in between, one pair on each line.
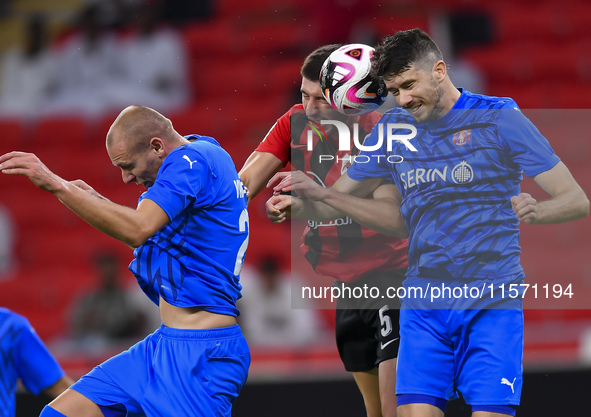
84, 186
299, 182
282, 179
525, 207
279, 208
27, 164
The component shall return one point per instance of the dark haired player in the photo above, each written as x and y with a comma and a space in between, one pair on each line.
25, 357
190, 231
367, 335
462, 204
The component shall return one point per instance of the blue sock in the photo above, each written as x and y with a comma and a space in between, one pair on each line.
50, 412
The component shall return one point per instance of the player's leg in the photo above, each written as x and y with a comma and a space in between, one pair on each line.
387, 376
385, 320
111, 389
72, 404
356, 343
425, 363
385, 324
490, 351
197, 372
419, 410
369, 386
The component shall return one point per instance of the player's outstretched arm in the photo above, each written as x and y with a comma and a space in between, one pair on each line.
258, 170
382, 213
131, 226
568, 201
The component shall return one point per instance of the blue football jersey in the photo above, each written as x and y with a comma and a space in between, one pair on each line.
457, 185
195, 260
22, 355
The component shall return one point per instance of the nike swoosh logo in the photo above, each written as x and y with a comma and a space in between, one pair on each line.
383, 345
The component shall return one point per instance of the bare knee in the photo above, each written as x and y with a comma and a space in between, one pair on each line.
419, 410
369, 387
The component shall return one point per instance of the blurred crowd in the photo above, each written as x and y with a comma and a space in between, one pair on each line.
115, 54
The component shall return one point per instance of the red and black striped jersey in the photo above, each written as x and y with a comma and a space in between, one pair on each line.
341, 248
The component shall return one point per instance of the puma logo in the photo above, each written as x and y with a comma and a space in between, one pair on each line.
505, 381
188, 159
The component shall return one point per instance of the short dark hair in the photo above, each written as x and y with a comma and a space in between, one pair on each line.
397, 53
313, 62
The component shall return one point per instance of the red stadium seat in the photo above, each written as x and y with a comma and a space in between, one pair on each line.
385, 25
243, 9
281, 35
547, 21
212, 38
12, 135
197, 120
60, 132
284, 75
230, 77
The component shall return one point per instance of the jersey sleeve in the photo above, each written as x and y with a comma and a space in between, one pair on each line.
524, 142
277, 140
182, 177
371, 164
36, 367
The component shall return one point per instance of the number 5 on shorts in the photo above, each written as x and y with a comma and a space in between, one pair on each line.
385, 321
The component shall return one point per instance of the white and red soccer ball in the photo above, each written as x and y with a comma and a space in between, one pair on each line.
346, 81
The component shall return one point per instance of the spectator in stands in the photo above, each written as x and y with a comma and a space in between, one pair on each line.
267, 316
25, 357
88, 67
7, 262
113, 14
28, 74
154, 64
185, 11
107, 314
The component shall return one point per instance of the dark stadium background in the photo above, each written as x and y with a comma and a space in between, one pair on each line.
244, 59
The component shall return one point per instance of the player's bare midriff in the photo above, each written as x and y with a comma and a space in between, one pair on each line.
192, 317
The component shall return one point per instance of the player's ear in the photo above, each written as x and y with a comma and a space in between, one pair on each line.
157, 146
439, 71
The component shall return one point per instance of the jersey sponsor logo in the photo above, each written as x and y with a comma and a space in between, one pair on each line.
421, 175
462, 173
505, 381
341, 221
189, 159
462, 137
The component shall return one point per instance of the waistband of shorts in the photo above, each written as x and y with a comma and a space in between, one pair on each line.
217, 333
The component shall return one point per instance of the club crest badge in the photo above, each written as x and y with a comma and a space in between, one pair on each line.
462, 137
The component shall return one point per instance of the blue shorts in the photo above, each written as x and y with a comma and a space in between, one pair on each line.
473, 352
172, 372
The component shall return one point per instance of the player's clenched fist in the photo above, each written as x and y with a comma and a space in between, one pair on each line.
525, 207
27, 164
279, 208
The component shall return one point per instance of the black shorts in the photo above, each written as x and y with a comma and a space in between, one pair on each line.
368, 330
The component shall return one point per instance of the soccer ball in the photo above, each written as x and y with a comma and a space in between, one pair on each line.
347, 84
